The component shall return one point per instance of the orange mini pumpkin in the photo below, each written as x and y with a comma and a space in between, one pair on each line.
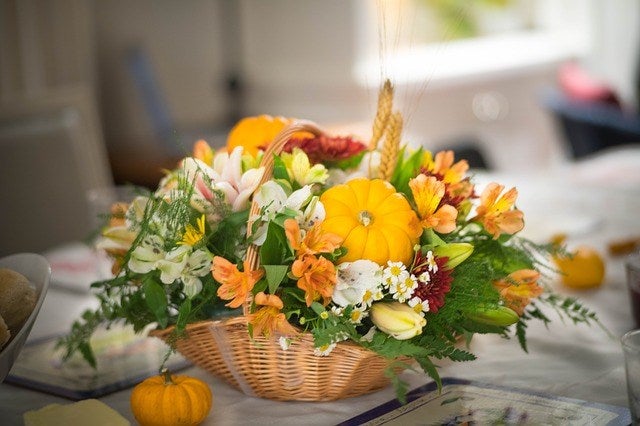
375, 221
254, 133
171, 400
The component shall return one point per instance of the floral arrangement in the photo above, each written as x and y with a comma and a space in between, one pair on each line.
394, 249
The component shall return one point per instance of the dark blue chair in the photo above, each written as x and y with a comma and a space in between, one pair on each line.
590, 126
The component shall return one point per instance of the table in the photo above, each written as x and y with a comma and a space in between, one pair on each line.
573, 361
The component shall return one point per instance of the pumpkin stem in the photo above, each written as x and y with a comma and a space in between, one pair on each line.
365, 218
167, 376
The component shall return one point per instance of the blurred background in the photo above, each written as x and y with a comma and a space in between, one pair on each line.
94, 93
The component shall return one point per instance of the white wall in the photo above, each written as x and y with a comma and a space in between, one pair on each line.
616, 45
184, 44
299, 58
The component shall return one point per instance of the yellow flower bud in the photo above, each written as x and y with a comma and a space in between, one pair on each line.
455, 252
396, 319
497, 315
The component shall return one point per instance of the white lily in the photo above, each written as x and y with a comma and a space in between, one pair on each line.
144, 258
181, 263
225, 176
228, 177
299, 198
198, 265
271, 199
312, 214
358, 282
173, 263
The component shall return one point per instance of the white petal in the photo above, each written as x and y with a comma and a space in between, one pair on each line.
199, 263
299, 198
192, 285
313, 213
144, 257
220, 161
233, 171
228, 190
250, 179
242, 200
271, 195
172, 266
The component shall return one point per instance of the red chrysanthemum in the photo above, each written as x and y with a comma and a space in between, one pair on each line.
324, 149
439, 282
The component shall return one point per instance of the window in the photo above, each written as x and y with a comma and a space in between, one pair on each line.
441, 40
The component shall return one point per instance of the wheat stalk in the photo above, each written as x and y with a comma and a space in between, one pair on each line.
385, 104
391, 146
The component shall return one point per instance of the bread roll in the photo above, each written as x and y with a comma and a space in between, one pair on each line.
17, 299
4, 333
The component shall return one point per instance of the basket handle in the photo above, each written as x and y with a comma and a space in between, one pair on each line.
267, 162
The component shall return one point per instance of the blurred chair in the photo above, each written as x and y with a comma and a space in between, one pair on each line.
591, 126
51, 154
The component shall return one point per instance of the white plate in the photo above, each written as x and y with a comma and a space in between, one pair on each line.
37, 270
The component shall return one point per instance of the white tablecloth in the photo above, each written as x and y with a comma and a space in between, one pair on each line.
578, 362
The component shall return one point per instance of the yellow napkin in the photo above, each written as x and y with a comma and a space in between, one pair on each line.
88, 412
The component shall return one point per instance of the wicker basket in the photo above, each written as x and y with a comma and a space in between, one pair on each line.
260, 367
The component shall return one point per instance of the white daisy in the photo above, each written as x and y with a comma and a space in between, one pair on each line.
324, 350
393, 273
284, 342
419, 305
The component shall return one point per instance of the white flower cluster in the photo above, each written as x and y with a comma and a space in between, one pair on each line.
359, 284
222, 187
182, 263
363, 282
273, 199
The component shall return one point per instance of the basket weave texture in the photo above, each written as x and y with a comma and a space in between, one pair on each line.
260, 366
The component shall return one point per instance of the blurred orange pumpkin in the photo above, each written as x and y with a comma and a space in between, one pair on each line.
254, 133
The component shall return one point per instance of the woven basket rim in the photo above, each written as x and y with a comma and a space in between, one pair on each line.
242, 320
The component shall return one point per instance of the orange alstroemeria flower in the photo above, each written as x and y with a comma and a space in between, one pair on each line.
428, 193
203, 152
316, 276
442, 165
518, 288
315, 241
269, 317
235, 285
495, 212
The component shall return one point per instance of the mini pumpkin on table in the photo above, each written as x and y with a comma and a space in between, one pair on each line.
171, 400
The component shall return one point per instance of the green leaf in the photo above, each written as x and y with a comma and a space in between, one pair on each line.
87, 353
183, 314
521, 330
275, 248
279, 169
399, 385
406, 169
260, 286
430, 368
347, 163
156, 300
275, 274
